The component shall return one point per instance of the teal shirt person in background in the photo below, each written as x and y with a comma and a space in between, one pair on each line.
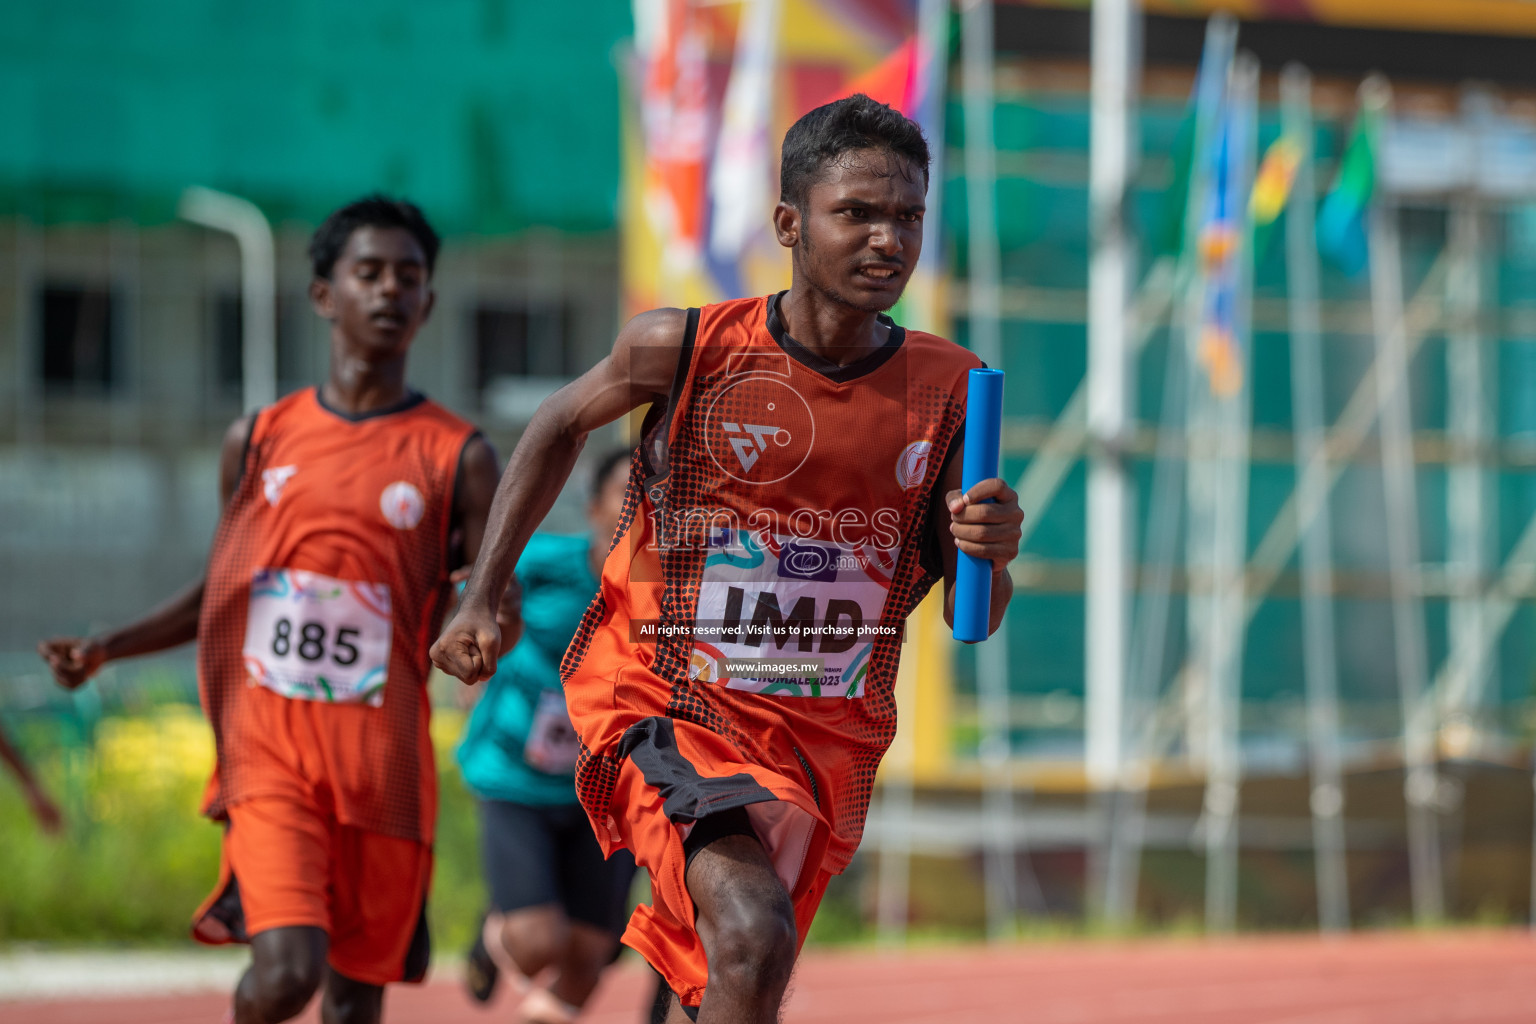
495, 757
557, 908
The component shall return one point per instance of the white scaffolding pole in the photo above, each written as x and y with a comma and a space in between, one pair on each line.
1226, 490
258, 285
985, 318
984, 252
1116, 67
1402, 529
1111, 263
1149, 645
1327, 798
1211, 90
1470, 508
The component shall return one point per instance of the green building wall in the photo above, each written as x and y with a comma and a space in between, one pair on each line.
112, 107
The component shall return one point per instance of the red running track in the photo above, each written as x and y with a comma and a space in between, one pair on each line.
1467, 978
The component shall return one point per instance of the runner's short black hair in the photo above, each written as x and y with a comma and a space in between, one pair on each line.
375, 211
606, 465
842, 126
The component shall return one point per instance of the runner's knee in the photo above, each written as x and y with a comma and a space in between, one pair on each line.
351, 1002
754, 940
535, 938
285, 979
750, 937
745, 915
289, 985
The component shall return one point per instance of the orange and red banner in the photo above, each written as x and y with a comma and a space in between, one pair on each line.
713, 87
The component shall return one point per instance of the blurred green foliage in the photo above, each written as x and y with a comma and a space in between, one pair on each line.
136, 858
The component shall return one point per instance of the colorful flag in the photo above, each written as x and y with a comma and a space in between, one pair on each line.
1272, 191
1272, 185
712, 88
674, 115
1208, 94
895, 81
1220, 242
1341, 226
740, 180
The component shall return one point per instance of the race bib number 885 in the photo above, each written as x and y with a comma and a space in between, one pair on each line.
311, 637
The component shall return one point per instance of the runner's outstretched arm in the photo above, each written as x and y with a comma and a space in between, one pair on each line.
983, 522
638, 371
73, 660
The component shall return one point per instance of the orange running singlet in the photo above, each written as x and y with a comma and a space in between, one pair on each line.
325, 587
778, 509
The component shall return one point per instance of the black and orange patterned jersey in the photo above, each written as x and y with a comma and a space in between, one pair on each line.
325, 587
775, 536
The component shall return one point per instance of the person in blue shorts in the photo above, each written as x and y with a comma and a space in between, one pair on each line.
557, 907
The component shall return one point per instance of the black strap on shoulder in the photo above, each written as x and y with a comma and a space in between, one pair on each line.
245, 448
658, 427
245, 454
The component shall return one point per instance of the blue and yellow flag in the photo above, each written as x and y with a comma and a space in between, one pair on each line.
1271, 193
1222, 243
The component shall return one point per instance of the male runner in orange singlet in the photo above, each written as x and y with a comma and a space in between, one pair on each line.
795, 493
345, 508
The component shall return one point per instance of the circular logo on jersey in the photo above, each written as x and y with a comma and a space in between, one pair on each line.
912, 463
807, 561
704, 664
402, 505
759, 430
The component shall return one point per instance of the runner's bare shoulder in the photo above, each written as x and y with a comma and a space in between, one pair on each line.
647, 349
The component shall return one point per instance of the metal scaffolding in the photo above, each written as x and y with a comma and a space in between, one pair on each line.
1107, 407
1166, 627
1325, 755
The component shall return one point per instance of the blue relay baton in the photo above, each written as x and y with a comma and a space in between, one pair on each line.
983, 438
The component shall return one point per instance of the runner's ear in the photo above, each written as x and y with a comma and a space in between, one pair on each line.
321, 299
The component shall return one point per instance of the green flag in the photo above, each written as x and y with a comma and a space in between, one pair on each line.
1341, 227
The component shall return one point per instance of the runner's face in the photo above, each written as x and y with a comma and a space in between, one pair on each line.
378, 294
859, 235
